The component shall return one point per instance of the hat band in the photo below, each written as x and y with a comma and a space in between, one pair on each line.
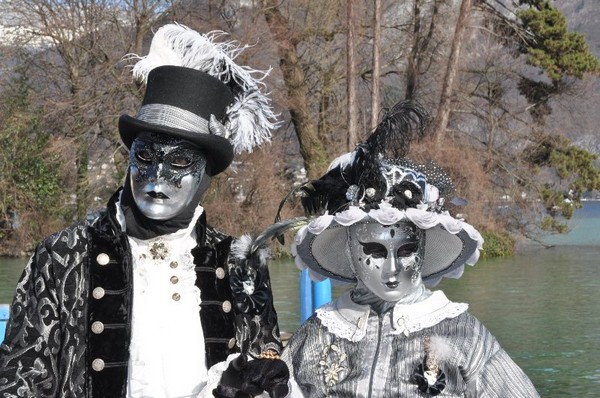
173, 117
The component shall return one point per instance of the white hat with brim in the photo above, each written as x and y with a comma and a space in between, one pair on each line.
450, 243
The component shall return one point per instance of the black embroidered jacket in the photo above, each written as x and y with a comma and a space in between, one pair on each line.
70, 322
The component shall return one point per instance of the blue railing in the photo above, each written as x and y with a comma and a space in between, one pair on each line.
312, 295
4, 312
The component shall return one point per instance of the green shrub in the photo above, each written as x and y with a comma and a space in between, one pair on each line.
497, 244
31, 182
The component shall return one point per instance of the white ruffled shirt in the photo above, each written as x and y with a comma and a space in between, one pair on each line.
167, 352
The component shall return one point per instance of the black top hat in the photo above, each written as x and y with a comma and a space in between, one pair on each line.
179, 102
192, 76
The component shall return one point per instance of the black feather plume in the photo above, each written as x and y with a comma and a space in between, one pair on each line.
277, 230
404, 123
328, 193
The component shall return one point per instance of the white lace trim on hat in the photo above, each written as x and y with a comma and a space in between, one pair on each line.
348, 320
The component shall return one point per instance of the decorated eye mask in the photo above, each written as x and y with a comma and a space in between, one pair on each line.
376, 253
165, 157
167, 175
385, 257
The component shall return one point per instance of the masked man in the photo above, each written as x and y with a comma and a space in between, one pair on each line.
386, 232
143, 300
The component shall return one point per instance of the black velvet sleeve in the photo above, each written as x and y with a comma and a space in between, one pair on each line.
256, 319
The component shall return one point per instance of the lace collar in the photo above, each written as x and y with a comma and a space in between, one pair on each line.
348, 320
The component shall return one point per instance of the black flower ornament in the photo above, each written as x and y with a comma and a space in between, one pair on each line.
405, 194
430, 379
250, 292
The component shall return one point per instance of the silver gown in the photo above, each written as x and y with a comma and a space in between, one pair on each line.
347, 350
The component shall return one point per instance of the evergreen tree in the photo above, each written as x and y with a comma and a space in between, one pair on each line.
30, 178
556, 51
552, 47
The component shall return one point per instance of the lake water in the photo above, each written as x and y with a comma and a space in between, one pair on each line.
542, 305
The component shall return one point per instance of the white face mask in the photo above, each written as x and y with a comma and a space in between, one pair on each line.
166, 174
387, 259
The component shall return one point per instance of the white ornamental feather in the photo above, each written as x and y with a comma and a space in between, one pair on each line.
250, 118
246, 115
440, 348
240, 248
244, 248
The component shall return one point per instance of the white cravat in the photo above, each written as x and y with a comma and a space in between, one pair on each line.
167, 352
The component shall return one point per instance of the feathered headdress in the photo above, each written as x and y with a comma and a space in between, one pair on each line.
377, 183
377, 170
191, 77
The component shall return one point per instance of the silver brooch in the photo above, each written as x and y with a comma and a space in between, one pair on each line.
402, 326
159, 250
352, 193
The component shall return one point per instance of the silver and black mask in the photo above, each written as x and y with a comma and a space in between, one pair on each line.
167, 175
387, 259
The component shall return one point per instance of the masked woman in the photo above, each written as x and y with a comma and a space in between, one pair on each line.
383, 228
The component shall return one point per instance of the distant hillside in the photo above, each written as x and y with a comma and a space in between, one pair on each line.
583, 16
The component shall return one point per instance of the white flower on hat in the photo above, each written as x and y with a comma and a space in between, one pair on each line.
422, 218
320, 224
386, 214
350, 216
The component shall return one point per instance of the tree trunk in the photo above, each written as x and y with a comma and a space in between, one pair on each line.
376, 60
351, 76
412, 69
422, 39
440, 123
311, 148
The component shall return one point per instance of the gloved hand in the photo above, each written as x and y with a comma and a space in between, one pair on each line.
231, 380
245, 379
270, 375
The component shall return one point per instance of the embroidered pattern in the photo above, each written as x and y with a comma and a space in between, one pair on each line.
333, 365
402, 327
